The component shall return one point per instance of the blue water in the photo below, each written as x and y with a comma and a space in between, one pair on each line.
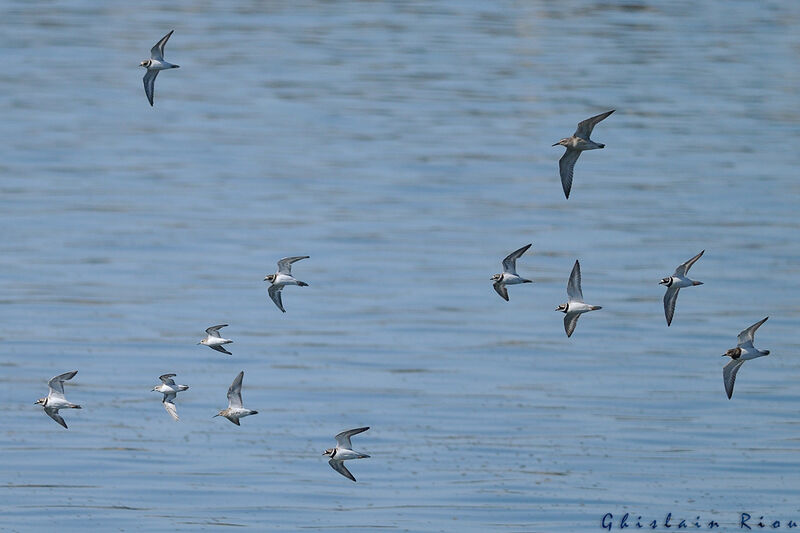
405, 147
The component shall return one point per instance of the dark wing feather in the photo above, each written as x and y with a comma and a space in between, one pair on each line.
339, 467
157, 52
585, 127
53, 413
748, 335
566, 165
220, 349
149, 84
343, 438
275, 294
670, 299
729, 375
683, 269
570, 321
510, 262
501, 290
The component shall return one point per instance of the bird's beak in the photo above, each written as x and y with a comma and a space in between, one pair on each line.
723, 355
199, 343
556, 144
265, 279
215, 416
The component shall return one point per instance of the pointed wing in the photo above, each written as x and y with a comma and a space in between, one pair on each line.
56, 385
170, 406
150, 84
220, 349
339, 467
683, 269
343, 438
167, 379
570, 321
213, 331
585, 127
574, 291
157, 52
670, 299
729, 375
235, 391
510, 262
501, 289
747, 336
275, 293
285, 264
565, 166
53, 413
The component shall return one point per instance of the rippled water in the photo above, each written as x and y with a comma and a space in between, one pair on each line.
406, 148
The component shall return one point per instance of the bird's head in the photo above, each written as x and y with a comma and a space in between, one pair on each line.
40, 401
562, 142
562, 308
145, 63
665, 281
202, 341
329, 451
270, 278
497, 277
733, 353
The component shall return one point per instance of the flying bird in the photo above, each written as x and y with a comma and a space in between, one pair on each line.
744, 351
214, 341
675, 283
235, 411
154, 65
509, 275
283, 278
55, 399
574, 307
170, 391
343, 452
576, 144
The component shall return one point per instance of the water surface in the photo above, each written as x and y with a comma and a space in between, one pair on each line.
405, 147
